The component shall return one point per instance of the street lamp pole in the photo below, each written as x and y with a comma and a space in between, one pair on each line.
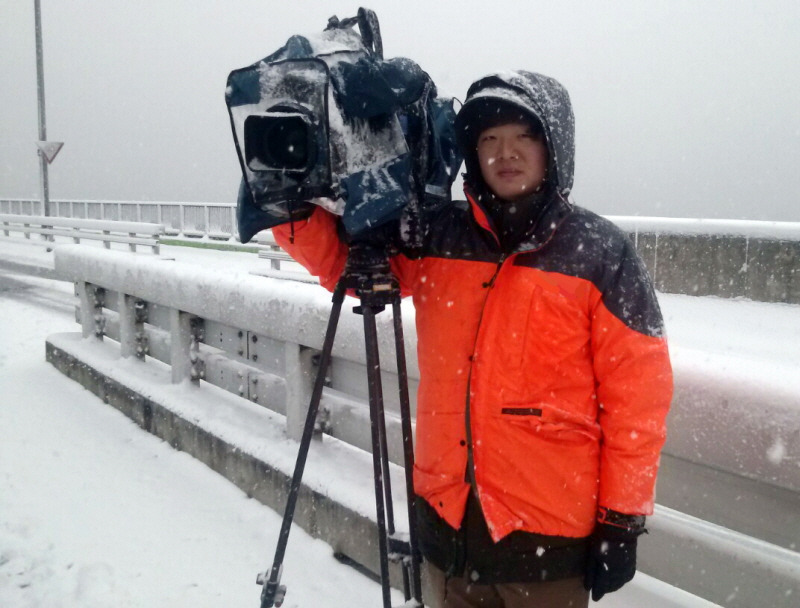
45, 188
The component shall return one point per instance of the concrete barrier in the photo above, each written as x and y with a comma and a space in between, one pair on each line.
726, 258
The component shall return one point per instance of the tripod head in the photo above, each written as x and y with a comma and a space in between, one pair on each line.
368, 274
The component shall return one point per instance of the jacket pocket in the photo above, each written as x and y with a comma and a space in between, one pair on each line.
546, 417
542, 464
522, 411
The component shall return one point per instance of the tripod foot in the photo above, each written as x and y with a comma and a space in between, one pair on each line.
273, 593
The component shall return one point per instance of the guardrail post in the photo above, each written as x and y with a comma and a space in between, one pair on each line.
187, 332
197, 329
92, 300
127, 326
299, 381
82, 290
275, 262
132, 334
180, 335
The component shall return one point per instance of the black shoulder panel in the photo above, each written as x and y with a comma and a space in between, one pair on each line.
453, 233
590, 247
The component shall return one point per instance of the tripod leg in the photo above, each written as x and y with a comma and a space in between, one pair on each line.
408, 450
384, 452
375, 400
271, 588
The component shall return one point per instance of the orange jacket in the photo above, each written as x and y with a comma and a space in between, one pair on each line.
548, 367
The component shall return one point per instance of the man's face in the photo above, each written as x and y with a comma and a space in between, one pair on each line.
513, 160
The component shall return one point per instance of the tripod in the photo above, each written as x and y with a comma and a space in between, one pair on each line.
367, 273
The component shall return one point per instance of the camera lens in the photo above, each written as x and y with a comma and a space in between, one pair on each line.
286, 144
278, 142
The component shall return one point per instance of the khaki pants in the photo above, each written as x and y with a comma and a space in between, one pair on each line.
460, 593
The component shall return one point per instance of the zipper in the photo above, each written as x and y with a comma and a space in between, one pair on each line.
490, 283
470, 473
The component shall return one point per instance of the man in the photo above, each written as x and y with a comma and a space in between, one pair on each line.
544, 372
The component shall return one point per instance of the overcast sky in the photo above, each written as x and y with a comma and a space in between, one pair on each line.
683, 108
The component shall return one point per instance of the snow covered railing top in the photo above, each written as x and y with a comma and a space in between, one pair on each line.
282, 310
788, 231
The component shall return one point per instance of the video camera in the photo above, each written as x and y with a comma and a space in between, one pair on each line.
326, 120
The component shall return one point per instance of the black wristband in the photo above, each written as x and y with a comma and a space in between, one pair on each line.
626, 525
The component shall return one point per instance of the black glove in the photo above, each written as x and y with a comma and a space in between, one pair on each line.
612, 552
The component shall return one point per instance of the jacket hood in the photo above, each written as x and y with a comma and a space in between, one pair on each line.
541, 97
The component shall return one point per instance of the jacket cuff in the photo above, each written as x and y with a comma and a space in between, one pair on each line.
631, 524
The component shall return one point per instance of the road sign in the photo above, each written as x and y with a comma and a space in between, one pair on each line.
49, 149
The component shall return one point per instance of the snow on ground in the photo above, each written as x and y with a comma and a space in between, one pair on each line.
96, 512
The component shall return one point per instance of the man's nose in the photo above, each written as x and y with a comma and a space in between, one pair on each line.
506, 148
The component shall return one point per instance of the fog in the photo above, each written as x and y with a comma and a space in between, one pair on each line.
683, 108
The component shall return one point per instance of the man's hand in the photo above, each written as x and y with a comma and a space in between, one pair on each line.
612, 554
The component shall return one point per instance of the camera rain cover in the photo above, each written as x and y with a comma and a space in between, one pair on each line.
293, 105
297, 146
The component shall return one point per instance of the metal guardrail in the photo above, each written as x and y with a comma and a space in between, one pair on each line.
243, 349
270, 250
726, 258
718, 564
191, 219
258, 339
131, 233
